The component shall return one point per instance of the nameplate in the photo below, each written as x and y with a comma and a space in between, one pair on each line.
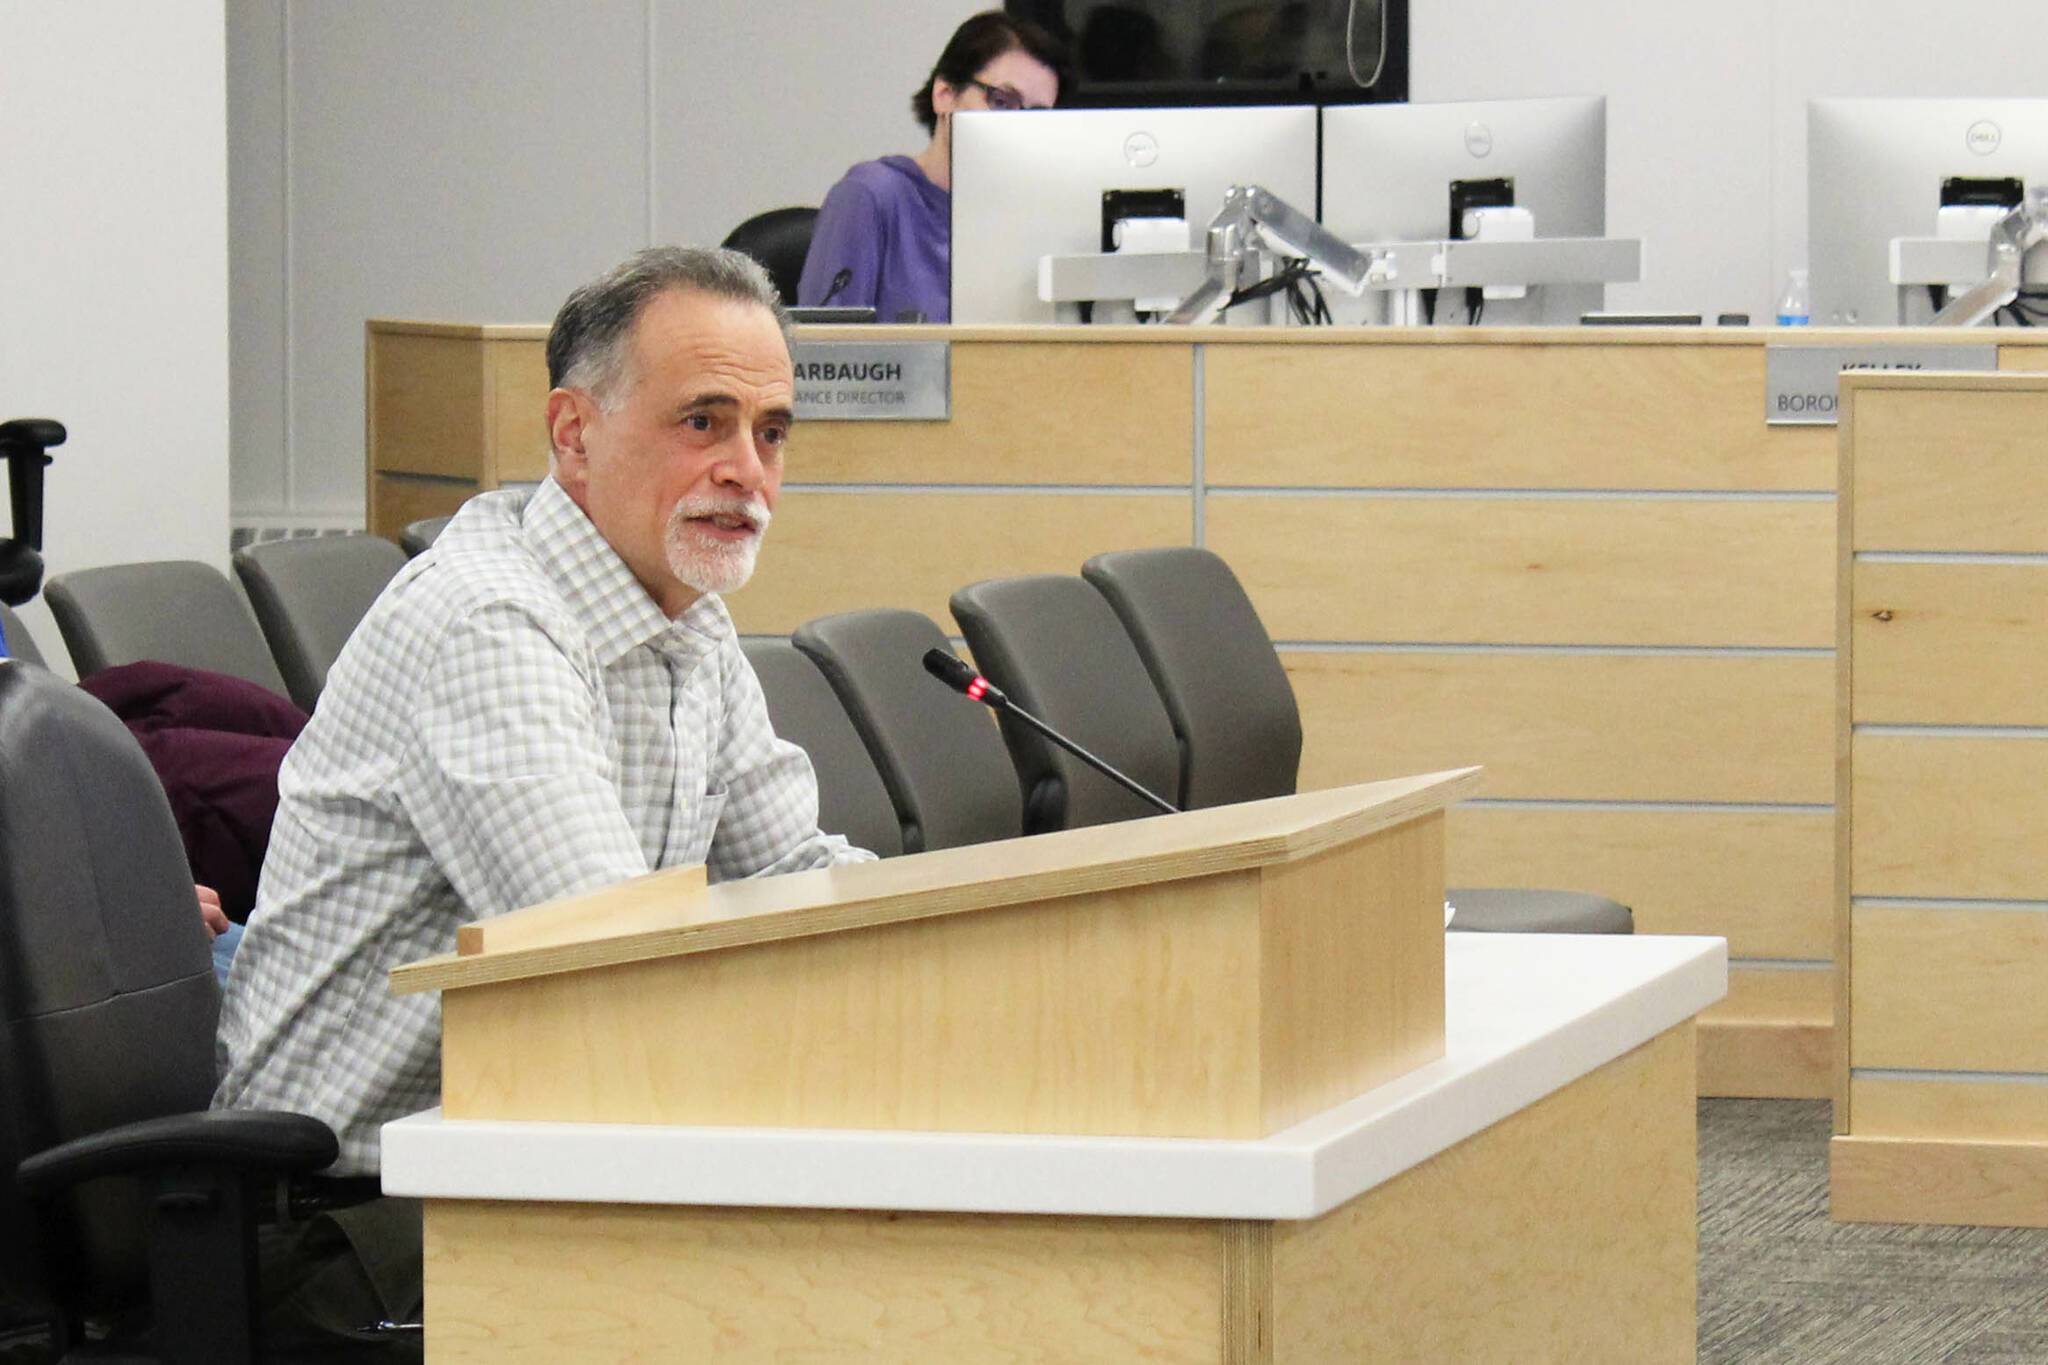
873, 381
1802, 383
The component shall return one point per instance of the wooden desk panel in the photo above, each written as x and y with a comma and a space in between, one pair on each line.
1572, 1220
1367, 1281
1987, 1109
1511, 415
1037, 413
830, 552
1942, 771
1533, 571
1913, 494
1948, 990
1950, 815
1764, 880
426, 412
1951, 643
1600, 727
1772, 1037
398, 500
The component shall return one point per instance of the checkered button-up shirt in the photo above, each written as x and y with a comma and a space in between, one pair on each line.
514, 721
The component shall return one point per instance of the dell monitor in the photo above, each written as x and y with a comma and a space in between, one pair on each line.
1032, 183
1408, 173
1884, 169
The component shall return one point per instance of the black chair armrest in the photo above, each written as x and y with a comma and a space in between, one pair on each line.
251, 1140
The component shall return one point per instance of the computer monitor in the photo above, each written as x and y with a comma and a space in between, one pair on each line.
1875, 171
1390, 172
1030, 184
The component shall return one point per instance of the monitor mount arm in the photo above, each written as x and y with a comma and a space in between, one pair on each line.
1253, 220
2026, 226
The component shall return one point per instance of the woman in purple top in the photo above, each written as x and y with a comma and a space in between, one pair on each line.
884, 236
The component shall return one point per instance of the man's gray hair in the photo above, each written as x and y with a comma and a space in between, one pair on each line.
587, 344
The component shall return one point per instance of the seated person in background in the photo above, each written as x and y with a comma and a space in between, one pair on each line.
883, 237
551, 699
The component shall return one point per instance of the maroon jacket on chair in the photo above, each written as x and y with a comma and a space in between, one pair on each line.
216, 743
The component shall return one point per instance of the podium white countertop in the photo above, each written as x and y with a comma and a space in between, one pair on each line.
1525, 1015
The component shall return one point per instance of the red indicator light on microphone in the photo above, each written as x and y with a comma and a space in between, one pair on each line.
978, 688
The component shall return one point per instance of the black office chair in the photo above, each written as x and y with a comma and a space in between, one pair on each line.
124, 1201
24, 447
309, 593
1053, 644
1237, 725
805, 711
939, 755
779, 239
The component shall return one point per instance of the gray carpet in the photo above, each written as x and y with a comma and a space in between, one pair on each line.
1781, 1285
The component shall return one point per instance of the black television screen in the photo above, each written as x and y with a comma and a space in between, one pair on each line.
1154, 52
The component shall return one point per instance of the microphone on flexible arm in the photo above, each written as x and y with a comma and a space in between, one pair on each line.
839, 282
956, 673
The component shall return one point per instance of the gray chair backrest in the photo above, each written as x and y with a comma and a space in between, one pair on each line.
172, 611
940, 757
805, 711
107, 997
309, 593
20, 644
1053, 644
1209, 656
418, 535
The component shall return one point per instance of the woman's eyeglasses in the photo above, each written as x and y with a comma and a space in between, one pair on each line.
999, 97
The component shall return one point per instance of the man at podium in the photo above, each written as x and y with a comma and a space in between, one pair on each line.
549, 700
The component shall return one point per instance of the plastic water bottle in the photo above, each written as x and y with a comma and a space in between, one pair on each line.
1795, 308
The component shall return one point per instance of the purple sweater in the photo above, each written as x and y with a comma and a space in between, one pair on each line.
890, 229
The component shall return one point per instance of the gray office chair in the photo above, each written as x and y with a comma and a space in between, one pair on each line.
172, 611
309, 593
1235, 720
119, 1191
805, 711
939, 755
20, 644
1053, 644
418, 535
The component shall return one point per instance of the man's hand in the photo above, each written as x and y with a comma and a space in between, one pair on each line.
210, 911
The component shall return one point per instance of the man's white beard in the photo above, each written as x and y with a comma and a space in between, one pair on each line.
710, 565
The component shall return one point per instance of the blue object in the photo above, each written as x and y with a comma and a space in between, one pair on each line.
224, 952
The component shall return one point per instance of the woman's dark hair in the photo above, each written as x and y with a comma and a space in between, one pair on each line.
978, 42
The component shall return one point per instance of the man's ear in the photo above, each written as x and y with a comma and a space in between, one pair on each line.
568, 413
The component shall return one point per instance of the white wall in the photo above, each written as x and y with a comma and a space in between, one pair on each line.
440, 159
114, 274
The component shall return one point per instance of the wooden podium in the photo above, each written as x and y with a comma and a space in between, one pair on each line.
1015, 1101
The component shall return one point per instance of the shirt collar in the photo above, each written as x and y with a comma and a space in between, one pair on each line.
614, 608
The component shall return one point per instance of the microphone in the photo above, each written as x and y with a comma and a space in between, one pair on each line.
839, 282
956, 673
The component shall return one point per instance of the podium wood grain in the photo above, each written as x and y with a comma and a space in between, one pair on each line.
1224, 973
1506, 1248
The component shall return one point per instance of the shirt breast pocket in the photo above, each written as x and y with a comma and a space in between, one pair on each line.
699, 825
